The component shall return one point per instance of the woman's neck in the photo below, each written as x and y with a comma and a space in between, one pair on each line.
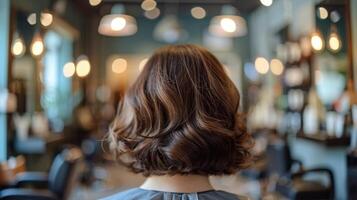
178, 183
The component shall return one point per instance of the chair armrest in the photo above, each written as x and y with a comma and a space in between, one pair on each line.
36, 179
299, 163
25, 194
317, 170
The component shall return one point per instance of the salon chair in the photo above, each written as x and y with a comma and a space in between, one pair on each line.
352, 174
295, 187
292, 184
56, 185
280, 161
90, 148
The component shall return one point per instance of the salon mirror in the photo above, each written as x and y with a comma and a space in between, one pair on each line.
42, 44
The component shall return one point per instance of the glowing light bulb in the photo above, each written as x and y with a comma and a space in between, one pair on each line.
228, 25
334, 42
69, 69
118, 23
119, 65
46, 19
142, 64
18, 47
37, 46
316, 42
261, 65
198, 12
83, 67
323, 13
276, 67
148, 5
94, 2
266, 2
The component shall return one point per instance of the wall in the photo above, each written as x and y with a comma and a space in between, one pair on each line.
265, 22
4, 41
142, 43
354, 38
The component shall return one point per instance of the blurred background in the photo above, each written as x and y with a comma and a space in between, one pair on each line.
65, 65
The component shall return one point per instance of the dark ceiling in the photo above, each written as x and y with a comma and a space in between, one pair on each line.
132, 7
244, 6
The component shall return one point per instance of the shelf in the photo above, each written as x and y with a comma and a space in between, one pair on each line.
37, 145
324, 139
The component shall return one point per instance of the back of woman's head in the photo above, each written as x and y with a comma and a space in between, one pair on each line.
180, 117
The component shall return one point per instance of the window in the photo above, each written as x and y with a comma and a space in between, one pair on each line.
55, 99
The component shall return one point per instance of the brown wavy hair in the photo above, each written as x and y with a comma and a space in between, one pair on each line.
180, 117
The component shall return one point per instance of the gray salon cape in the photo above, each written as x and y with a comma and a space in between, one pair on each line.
143, 194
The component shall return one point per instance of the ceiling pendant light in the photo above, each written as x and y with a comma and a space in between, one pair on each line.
266, 3
18, 47
117, 23
228, 24
37, 45
334, 41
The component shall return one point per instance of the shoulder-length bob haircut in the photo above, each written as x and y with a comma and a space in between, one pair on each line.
180, 117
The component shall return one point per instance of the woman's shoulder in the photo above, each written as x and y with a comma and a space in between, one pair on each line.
142, 194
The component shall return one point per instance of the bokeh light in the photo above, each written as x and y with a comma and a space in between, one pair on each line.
118, 23
276, 67
266, 2
148, 5
152, 14
261, 65
322, 13
69, 69
18, 48
316, 42
95, 2
198, 12
46, 19
83, 67
119, 65
228, 25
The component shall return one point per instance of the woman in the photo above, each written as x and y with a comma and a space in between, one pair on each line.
178, 124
